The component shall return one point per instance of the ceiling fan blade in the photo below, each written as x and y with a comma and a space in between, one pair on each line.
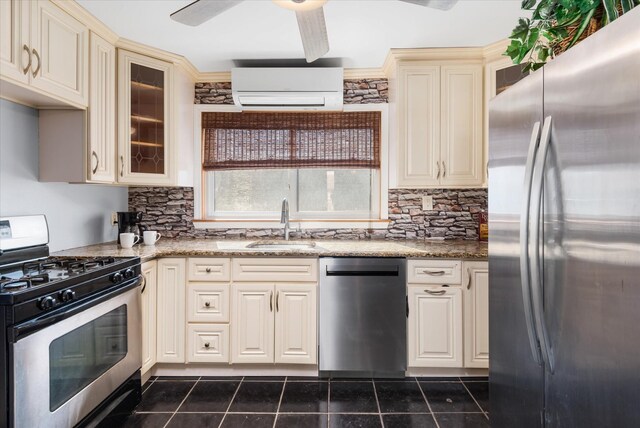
313, 32
436, 4
201, 11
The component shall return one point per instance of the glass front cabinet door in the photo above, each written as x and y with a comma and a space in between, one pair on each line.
145, 131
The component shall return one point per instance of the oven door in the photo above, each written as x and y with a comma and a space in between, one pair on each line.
65, 369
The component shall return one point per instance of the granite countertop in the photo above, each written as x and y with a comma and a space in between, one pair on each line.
469, 250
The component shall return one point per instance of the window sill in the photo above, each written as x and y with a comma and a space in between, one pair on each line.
303, 224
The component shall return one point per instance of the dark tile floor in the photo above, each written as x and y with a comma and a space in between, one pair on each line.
279, 402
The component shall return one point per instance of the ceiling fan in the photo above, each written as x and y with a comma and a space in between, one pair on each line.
309, 13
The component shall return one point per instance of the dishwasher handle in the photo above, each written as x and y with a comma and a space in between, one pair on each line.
363, 270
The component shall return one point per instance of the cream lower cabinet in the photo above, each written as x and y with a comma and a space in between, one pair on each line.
149, 294
208, 292
435, 326
252, 323
476, 314
171, 310
274, 323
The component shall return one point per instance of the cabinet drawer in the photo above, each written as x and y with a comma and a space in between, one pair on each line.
275, 269
435, 272
208, 343
208, 303
206, 269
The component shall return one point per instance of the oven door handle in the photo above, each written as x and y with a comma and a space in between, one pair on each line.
25, 329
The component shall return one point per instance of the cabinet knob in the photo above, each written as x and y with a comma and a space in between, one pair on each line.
208, 270
207, 304
206, 345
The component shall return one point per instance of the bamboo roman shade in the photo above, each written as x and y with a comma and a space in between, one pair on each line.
251, 140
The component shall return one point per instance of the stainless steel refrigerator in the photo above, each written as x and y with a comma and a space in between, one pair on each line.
564, 239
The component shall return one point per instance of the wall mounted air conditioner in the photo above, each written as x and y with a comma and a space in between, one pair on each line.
287, 88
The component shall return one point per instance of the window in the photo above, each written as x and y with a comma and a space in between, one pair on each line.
322, 187
327, 164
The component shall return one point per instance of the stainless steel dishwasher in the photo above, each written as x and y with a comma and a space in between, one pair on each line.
363, 324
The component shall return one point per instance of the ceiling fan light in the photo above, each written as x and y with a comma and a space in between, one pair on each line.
300, 6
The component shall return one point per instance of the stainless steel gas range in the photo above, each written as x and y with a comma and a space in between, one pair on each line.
70, 332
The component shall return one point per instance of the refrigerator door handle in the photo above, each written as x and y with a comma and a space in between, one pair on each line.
536, 280
524, 245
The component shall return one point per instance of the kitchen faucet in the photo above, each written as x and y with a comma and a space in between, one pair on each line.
284, 218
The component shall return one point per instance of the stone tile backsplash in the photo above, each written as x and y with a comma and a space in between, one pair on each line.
455, 215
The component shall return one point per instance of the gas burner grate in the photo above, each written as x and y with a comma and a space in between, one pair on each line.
73, 265
13, 284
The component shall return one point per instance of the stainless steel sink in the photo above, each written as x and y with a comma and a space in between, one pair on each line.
282, 245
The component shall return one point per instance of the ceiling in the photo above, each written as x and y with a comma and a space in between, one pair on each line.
361, 32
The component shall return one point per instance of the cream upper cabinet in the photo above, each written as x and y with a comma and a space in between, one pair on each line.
145, 130
419, 129
439, 124
461, 126
435, 326
102, 112
476, 314
252, 323
15, 51
295, 335
149, 296
60, 50
45, 51
171, 309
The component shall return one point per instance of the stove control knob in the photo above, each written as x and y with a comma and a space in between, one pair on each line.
46, 303
116, 277
129, 273
67, 295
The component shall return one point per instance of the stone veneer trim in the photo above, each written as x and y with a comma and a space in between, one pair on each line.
356, 91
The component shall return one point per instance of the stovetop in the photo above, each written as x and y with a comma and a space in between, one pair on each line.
46, 271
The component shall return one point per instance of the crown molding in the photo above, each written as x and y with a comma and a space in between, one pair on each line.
430, 54
160, 54
495, 50
214, 77
86, 18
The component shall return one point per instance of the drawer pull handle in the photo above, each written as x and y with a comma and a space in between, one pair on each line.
434, 272
436, 293
469, 279
207, 304
206, 345
271, 302
277, 299
208, 270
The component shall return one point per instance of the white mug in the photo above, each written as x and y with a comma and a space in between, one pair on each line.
127, 240
151, 237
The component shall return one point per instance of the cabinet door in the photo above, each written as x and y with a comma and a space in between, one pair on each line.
252, 323
149, 296
295, 332
171, 307
476, 314
14, 40
461, 125
144, 119
418, 125
102, 111
435, 327
60, 48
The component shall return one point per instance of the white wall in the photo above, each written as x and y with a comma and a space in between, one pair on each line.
78, 214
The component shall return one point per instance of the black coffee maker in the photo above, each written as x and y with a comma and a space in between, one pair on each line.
129, 222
